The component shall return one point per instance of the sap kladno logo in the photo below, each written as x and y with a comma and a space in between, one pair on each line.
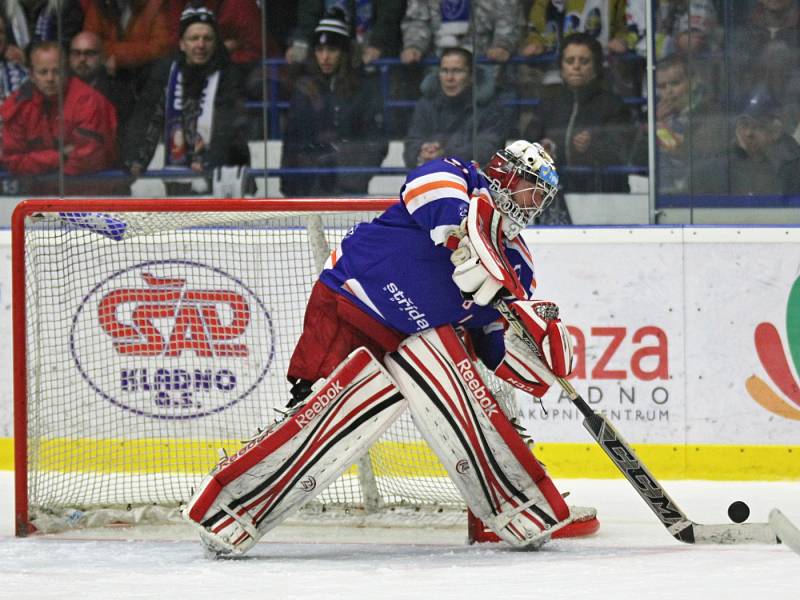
172, 339
773, 358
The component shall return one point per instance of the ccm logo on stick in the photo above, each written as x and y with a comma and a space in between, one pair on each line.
320, 402
479, 391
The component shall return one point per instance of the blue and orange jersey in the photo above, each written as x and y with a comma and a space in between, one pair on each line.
397, 267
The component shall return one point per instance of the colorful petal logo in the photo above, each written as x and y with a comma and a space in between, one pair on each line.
773, 358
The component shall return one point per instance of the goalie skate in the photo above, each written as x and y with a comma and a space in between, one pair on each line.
287, 465
495, 471
584, 523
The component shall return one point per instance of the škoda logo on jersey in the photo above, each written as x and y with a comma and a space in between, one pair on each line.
172, 339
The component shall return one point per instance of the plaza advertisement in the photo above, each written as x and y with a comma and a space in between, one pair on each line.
682, 336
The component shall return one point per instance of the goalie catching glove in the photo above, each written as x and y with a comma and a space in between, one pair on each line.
536, 372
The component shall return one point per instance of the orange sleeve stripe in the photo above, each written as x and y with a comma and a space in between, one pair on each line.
434, 185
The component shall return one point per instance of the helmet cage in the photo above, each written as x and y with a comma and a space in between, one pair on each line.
504, 171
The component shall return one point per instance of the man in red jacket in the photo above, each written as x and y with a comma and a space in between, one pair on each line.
32, 128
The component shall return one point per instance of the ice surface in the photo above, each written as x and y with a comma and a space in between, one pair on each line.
632, 557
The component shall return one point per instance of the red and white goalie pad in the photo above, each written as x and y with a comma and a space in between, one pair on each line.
495, 471
290, 463
540, 320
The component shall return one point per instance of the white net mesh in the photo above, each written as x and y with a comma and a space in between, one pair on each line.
153, 339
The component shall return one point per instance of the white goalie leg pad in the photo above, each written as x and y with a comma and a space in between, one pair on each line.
495, 471
290, 463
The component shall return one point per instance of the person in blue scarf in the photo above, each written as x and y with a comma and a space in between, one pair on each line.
193, 104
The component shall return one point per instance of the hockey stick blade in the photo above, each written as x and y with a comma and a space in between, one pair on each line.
638, 475
785, 529
652, 492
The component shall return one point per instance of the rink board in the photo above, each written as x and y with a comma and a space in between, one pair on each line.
580, 461
665, 321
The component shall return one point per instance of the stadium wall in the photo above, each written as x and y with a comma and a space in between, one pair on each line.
688, 338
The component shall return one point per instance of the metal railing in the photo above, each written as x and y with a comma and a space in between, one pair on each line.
275, 105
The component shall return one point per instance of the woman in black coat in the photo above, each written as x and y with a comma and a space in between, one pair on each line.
335, 118
582, 123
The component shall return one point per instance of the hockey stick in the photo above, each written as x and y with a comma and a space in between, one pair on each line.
652, 492
785, 530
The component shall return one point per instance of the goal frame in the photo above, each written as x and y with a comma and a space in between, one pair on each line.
26, 208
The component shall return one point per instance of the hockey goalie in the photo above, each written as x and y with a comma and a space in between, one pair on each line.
396, 321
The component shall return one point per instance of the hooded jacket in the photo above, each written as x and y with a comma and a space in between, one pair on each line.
449, 120
333, 121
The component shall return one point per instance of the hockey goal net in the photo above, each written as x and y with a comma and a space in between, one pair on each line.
148, 334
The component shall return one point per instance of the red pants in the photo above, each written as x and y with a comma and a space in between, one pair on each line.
332, 328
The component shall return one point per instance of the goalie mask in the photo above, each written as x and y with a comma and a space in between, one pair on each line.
522, 161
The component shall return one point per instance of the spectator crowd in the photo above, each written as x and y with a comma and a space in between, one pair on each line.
98, 85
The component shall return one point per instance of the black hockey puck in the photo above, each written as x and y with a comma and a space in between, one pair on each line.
738, 511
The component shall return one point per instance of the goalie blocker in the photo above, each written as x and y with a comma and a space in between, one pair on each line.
499, 478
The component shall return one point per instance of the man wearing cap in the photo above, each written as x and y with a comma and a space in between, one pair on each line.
762, 160
335, 118
191, 103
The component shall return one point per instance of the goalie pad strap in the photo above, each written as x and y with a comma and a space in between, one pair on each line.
484, 455
480, 391
290, 463
234, 466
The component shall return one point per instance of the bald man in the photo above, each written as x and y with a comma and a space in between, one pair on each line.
87, 62
33, 124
